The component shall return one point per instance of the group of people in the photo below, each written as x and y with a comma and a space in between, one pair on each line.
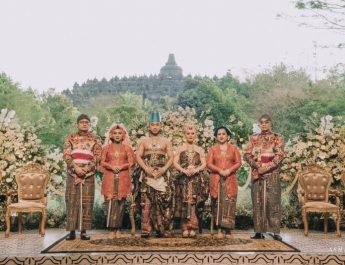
169, 184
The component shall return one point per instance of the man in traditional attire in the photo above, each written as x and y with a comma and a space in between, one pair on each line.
82, 152
154, 155
265, 152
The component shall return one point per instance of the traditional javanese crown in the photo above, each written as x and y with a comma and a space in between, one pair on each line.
155, 116
189, 125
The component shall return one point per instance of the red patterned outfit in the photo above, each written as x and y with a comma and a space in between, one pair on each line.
115, 187
217, 161
266, 150
83, 150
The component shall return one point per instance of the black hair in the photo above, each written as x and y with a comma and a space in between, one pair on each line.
228, 132
266, 117
83, 117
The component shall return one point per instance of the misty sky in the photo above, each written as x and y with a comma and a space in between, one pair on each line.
52, 44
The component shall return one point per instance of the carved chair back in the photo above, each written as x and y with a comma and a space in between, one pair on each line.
315, 181
32, 182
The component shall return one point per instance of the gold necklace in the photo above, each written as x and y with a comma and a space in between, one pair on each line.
154, 144
190, 154
154, 156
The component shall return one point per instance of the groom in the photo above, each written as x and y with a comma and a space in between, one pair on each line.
155, 156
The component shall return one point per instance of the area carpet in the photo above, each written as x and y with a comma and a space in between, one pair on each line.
202, 243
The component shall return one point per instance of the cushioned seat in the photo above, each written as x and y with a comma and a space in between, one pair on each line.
27, 205
320, 205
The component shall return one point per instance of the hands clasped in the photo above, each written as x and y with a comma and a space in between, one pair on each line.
80, 171
225, 173
155, 172
190, 171
116, 169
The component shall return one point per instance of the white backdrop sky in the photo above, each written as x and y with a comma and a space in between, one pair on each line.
52, 44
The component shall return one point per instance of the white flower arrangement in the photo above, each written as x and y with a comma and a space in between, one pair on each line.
19, 146
324, 145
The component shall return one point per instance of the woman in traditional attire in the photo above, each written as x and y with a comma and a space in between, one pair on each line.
116, 162
191, 183
223, 159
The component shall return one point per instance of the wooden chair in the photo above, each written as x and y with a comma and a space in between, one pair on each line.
315, 182
32, 197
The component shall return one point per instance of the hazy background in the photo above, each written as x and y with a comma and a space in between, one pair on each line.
48, 44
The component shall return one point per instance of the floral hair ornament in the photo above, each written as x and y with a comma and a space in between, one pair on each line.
113, 127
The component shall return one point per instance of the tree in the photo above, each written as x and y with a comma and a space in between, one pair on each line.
126, 108
289, 96
210, 101
52, 114
27, 104
327, 14
63, 117
230, 82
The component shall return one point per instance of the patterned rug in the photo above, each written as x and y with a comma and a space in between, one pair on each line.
202, 243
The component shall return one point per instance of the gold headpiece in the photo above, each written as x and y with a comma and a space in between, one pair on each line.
189, 125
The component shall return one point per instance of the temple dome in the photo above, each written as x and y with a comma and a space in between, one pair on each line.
171, 69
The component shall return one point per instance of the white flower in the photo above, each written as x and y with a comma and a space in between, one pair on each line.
326, 125
11, 114
208, 122
93, 121
256, 128
328, 118
206, 134
322, 155
58, 179
232, 118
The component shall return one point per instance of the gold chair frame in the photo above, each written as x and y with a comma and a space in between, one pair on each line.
322, 204
35, 201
